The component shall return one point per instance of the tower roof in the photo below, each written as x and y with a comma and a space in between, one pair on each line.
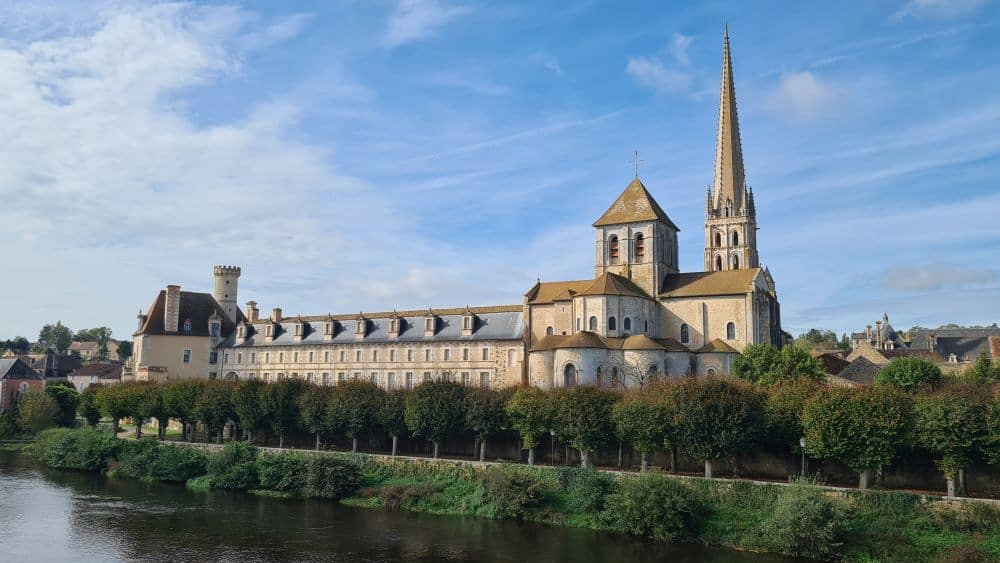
729, 174
634, 205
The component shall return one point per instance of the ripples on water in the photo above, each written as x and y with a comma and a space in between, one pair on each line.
48, 515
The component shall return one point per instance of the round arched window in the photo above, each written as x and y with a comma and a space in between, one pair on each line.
593, 323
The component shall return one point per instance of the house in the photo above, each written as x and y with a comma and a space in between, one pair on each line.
16, 378
104, 373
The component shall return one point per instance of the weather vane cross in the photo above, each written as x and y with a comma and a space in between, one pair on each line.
635, 162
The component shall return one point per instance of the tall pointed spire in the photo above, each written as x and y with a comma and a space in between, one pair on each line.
729, 174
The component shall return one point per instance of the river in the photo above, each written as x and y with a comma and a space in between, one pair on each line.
49, 515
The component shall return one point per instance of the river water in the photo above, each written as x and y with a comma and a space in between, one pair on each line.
48, 515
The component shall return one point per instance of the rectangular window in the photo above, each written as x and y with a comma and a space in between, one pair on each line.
187, 356
310, 357
357, 355
447, 354
281, 357
341, 377
465, 354
253, 357
374, 355
486, 354
267, 376
510, 357
225, 357
326, 378
427, 376
484, 379
267, 357
356, 375
326, 356
390, 380
392, 355
343, 355
409, 380
295, 356
409, 355
427, 355
309, 377
374, 377
465, 378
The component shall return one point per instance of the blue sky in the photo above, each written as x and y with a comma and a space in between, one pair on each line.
370, 155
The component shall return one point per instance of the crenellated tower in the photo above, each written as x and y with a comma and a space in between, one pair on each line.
730, 214
226, 281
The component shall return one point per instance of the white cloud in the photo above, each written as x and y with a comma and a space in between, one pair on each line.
934, 276
651, 73
414, 20
802, 96
938, 8
679, 45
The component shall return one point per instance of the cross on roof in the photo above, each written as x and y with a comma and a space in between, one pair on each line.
635, 161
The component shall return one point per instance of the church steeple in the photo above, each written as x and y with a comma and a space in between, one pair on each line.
730, 220
730, 181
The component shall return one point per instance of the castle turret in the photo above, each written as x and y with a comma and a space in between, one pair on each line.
226, 281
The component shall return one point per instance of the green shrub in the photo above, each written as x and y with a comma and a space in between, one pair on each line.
148, 459
655, 506
8, 424
963, 554
202, 484
235, 467
81, 449
585, 489
804, 523
285, 472
331, 478
511, 491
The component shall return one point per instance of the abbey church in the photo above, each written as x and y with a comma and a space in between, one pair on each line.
639, 317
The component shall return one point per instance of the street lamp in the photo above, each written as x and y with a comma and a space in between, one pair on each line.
802, 444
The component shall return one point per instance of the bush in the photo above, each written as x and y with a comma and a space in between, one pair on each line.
148, 459
235, 467
511, 491
803, 523
331, 478
67, 398
585, 489
654, 506
285, 472
36, 411
81, 449
8, 424
910, 374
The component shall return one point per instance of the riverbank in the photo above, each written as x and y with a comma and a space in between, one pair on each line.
796, 520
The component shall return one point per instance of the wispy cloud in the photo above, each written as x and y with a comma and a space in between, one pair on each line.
415, 20
927, 277
803, 96
659, 74
938, 8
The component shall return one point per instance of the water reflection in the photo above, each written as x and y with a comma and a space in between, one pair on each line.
51, 515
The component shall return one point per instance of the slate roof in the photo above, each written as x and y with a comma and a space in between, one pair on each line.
549, 292
51, 364
921, 338
503, 324
832, 364
634, 205
195, 306
81, 346
111, 370
861, 370
697, 284
16, 368
966, 349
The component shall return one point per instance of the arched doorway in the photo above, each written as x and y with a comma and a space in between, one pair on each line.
231, 376
569, 376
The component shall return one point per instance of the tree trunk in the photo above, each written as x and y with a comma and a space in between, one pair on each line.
566, 457
961, 482
395, 441
281, 441
482, 450
736, 465
138, 427
645, 462
951, 485
584, 459
250, 436
317, 441
708, 468
435, 450
162, 430
865, 478
619, 454
354, 445
673, 459
531, 456
114, 426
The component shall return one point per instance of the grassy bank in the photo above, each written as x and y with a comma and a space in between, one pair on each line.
797, 520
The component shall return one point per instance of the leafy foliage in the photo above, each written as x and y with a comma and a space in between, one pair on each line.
36, 411
527, 410
330, 477
250, 405
435, 410
282, 404
67, 398
765, 365
285, 472
715, 417
583, 416
654, 506
643, 419
391, 414
354, 404
950, 423
88, 407
180, 399
314, 410
910, 374
81, 449
148, 459
511, 490
784, 409
586, 489
213, 406
804, 522
235, 467
58, 336
485, 412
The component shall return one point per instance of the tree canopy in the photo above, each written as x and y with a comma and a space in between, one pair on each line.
910, 374
765, 365
58, 336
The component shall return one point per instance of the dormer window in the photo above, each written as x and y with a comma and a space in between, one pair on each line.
328, 327
269, 331
213, 329
298, 329
187, 325
241, 331
429, 324
468, 322
360, 327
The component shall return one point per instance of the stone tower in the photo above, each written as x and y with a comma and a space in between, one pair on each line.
636, 239
226, 281
730, 214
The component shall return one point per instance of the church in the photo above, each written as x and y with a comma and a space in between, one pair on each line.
638, 318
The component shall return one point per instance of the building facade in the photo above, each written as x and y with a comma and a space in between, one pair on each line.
16, 378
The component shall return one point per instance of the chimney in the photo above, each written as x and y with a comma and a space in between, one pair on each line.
252, 313
868, 333
172, 310
276, 314
142, 320
878, 334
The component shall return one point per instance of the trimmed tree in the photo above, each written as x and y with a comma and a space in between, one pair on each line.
864, 428
313, 408
213, 407
951, 424
583, 418
354, 405
990, 445
717, 417
36, 411
911, 374
88, 407
765, 365
114, 402
147, 403
642, 419
250, 406
391, 415
783, 410
179, 400
528, 412
282, 400
435, 410
485, 414
68, 400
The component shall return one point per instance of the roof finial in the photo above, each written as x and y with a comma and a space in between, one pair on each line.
635, 161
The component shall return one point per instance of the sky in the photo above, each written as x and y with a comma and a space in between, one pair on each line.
372, 155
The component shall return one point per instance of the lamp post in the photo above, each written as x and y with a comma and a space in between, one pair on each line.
802, 444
